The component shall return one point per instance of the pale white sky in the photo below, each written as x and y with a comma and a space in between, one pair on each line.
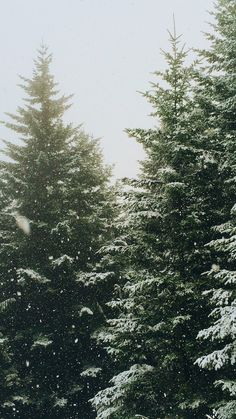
104, 52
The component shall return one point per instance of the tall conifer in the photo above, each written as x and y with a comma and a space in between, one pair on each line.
170, 214
218, 95
56, 211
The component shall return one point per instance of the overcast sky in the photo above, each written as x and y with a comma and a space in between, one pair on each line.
104, 51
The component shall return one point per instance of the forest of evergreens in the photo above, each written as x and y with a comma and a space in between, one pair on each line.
119, 301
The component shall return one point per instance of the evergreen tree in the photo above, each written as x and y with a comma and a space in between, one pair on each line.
218, 94
56, 212
221, 334
161, 254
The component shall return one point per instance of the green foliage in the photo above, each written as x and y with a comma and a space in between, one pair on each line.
160, 253
170, 253
218, 354
57, 208
220, 336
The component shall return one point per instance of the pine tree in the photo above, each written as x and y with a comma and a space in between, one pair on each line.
161, 254
56, 211
221, 334
219, 87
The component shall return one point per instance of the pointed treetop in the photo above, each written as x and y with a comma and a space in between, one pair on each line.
44, 58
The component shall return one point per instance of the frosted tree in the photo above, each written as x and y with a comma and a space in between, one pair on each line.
56, 212
221, 334
159, 256
218, 95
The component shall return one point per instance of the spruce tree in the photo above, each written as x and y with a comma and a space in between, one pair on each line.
219, 93
221, 334
56, 211
160, 255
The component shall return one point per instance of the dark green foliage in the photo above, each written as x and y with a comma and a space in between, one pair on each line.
171, 253
56, 212
220, 94
161, 255
220, 335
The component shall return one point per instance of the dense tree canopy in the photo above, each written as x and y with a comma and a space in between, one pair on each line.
56, 211
120, 303
184, 191
220, 335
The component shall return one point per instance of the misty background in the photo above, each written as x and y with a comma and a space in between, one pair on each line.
104, 52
